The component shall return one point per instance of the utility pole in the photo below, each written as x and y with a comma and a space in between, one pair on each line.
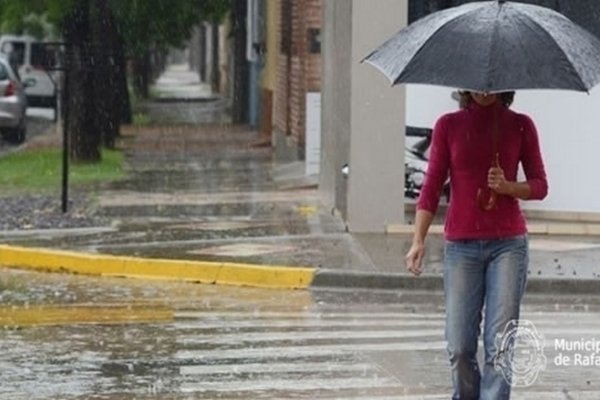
240, 69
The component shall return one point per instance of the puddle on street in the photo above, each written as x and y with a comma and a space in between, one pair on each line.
77, 337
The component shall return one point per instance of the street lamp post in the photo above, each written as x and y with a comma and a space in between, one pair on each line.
58, 62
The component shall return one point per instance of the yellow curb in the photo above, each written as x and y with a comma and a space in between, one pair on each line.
556, 229
67, 315
149, 268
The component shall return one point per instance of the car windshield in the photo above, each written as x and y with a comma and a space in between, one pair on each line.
17, 56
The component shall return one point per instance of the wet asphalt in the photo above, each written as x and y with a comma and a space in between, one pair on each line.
205, 192
117, 339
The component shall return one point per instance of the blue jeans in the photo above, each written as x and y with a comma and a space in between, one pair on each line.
477, 273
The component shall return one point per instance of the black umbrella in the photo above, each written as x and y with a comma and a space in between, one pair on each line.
492, 46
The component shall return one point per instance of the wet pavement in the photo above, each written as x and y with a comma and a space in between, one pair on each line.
208, 193
199, 189
117, 339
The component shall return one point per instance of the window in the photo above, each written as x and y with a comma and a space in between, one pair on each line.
17, 56
3, 72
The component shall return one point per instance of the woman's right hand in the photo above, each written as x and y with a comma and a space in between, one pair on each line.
414, 258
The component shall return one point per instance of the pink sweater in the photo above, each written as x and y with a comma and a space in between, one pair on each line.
462, 148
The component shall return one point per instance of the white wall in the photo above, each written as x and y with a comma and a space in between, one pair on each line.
569, 128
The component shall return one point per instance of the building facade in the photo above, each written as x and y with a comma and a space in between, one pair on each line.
298, 72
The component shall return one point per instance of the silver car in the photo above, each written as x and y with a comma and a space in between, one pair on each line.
13, 103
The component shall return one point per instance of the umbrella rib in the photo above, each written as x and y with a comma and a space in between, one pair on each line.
489, 82
382, 69
399, 78
570, 63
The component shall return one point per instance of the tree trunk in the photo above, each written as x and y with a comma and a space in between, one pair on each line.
141, 75
157, 64
121, 94
84, 137
215, 79
105, 84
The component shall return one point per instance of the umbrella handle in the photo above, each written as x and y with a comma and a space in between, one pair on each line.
491, 201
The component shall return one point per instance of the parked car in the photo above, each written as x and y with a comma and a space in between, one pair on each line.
29, 56
13, 103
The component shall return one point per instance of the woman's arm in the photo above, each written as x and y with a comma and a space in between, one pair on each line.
437, 172
533, 164
498, 183
536, 185
437, 167
414, 257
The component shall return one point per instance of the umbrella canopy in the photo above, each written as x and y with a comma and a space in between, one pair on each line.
492, 46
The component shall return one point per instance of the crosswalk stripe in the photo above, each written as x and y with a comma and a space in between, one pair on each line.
306, 351
304, 314
224, 323
316, 323
246, 337
288, 385
270, 367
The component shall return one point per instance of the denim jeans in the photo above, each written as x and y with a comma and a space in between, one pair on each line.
477, 273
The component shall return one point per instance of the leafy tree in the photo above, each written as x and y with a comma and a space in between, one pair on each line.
69, 19
101, 34
150, 27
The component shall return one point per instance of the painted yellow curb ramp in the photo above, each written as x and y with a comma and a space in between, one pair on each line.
150, 268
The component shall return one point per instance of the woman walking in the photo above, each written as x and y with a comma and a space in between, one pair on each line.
480, 148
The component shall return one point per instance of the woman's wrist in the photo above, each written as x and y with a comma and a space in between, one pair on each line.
418, 240
508, 188
518, 190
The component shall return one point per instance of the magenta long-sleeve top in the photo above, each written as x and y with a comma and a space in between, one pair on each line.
462, 148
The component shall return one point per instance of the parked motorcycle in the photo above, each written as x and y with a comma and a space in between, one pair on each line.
416, 155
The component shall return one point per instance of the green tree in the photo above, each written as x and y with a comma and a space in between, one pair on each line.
150, 27
69, 19
100, 35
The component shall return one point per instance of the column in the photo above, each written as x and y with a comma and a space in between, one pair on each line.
363, 116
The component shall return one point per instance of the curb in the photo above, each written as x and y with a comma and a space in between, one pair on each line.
366, 280
551, 229
263, 276
362, 280
276, 277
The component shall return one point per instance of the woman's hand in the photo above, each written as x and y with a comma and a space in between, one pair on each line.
497, 182
414, 258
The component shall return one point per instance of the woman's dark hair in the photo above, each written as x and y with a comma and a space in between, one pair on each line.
465, 98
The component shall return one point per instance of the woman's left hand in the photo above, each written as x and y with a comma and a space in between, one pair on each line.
497, 182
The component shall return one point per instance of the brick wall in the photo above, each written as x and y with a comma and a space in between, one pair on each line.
298, 69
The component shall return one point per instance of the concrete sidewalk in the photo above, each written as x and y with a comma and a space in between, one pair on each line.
202, 204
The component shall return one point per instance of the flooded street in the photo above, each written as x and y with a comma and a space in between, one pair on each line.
244, 203
75, 337
201, 193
